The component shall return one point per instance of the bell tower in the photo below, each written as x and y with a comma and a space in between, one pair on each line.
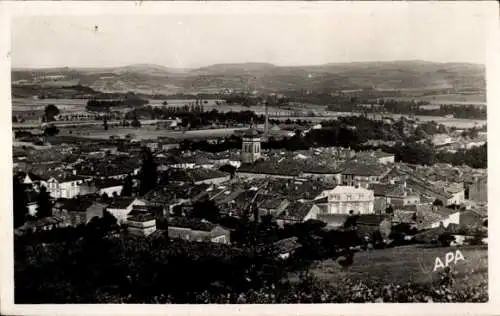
250, 151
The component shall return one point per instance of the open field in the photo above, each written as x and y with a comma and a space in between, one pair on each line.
413, 263
450, 99
64, 105
148, 133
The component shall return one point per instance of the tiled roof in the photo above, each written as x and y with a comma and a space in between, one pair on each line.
194, 224
269, 201
141, 217
296, 210
402, 216
362, 169
121, 202
107, 183
287, 245
369, 219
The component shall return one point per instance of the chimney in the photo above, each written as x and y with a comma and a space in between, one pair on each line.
266, 126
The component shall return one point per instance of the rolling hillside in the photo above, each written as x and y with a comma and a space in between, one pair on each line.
151, 79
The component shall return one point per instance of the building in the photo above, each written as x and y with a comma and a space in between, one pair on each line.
298, 212
344, 199
64, 186
80, 211
141, 224
121, 207
110, 187
376, 156
392, 194
250, 150
196, 230
477, 190
441, 139
361, 174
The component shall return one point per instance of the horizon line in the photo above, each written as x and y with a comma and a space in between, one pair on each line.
243, 63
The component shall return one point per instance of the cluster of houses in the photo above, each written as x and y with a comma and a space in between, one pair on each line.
326, 184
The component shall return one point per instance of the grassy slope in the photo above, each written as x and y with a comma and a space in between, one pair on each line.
404, 264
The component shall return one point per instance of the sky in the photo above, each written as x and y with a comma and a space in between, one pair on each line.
292, 36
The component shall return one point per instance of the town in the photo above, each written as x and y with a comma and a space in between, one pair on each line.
284, 154
261, 186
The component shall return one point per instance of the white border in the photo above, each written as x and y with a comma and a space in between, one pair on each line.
8, 9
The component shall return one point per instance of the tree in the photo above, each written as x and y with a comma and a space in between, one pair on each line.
51, 130
149, 172
437, 202
44, 203
136, 123
127, 186
389, 210
50, 112
105, 123
20, 209
206, 210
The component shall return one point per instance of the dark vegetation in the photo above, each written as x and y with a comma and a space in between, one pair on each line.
353, 132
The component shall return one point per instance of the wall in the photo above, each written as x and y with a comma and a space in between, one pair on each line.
478, 191
263, 176
451, 219
122, 214
458, 198
111, 190
141, 231
93, 211
214, 180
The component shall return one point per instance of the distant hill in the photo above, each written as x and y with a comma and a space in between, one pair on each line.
155, 79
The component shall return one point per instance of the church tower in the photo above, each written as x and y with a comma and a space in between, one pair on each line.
250, 151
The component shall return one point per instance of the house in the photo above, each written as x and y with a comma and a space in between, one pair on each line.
436, 216
477, 189
42, 224
322, 172
122, 206
197, 230
197, 176
376, 157
268, 204
64, 186
168, 146
141, 224
81, 210
110, 187
441, 139
472, 218
278, 169
298, 212
361, 174
333, 221
344, 199
367, 224
284, 248
392, 194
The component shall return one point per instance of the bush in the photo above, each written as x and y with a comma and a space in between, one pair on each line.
446, 239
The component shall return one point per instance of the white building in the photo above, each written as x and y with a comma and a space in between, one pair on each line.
66, 187
441, 139
121, 207
343, 199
